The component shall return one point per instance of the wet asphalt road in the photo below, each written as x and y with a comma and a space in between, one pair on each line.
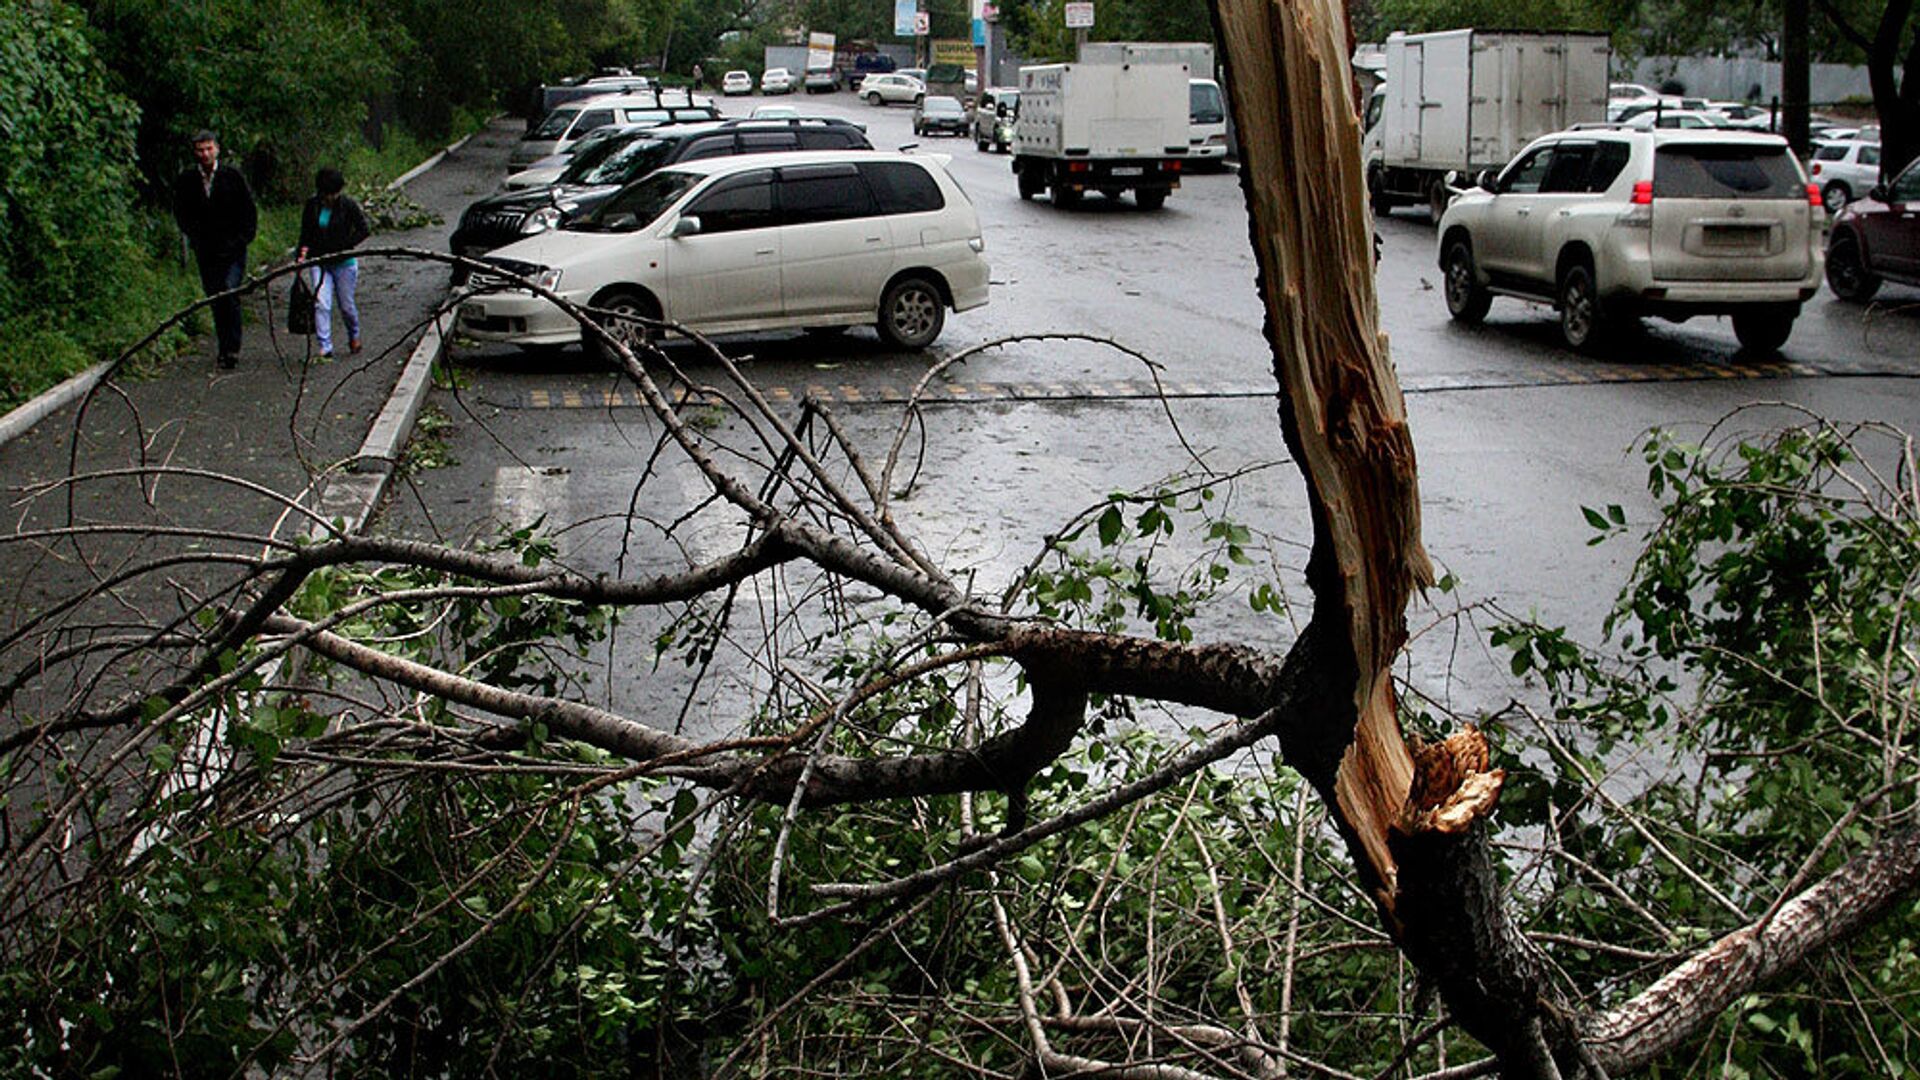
1514, 433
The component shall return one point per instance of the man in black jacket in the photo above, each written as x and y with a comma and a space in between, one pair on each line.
214, 207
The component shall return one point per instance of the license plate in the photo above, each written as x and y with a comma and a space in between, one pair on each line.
1128, 170
1735, 236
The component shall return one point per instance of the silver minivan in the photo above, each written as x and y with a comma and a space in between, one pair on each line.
564, 125
786, 241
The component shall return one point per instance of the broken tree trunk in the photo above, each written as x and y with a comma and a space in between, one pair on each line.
1411, 815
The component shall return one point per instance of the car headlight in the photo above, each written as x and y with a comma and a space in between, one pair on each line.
548, 279
547, 217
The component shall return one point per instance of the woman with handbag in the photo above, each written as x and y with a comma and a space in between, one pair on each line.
331, 224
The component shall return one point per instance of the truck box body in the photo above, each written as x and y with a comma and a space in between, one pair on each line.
1471, 99
1102, 110
1197, 55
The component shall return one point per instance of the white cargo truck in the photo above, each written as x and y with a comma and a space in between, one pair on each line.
1105, 127
1466, 100
1207, 139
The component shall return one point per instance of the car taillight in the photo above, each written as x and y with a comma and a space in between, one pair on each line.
1813, 196
1643, 193
1816, 168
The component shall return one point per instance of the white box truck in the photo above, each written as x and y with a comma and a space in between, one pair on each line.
1102, 127
1468, 100
1207, 139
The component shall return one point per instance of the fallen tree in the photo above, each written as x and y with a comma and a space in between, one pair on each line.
354, 810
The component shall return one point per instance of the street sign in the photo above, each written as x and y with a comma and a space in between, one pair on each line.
904, 13
1080, 15
922, 24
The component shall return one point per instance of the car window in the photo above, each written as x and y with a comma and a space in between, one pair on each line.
739, 202
812, 193
718, 146
1568, 170
593, 118
832, 139
638, 204
1609, 158
556, 124
1906, 187
648, 116
1830, 152
759, 142
1721, 171
902, 188
629, 163
1204, 105
1869, 155
1527, 173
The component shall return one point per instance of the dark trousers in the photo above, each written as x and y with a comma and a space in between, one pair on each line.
219, 274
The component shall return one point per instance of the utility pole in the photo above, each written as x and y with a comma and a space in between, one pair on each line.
1794, 77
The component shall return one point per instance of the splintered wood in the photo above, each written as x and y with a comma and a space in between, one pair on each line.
1291, 87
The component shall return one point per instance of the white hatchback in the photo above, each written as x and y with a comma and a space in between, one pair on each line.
1845, 171
735, 83
764, 242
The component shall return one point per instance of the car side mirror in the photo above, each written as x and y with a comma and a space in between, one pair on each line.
688, 225
1878, 193
1485, 179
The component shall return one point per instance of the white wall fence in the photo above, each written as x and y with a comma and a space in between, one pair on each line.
1736, 78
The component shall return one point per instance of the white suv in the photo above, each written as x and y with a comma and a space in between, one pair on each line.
1845, 171
1613, 225
763, 242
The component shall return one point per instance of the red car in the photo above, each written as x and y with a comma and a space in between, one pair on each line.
1877, 239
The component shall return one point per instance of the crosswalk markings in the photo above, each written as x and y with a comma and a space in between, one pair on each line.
955, 391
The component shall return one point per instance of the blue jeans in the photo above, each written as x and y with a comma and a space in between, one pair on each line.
330, 284
218, 275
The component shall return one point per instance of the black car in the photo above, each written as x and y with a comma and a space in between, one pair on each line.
939, 114
499, 220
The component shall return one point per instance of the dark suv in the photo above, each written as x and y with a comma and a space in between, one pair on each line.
1877, 239
498, 220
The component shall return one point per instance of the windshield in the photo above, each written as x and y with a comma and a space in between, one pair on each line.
629, 162
590, 152
937, 106
638, 205
1720, 171
555, 125
1204, 105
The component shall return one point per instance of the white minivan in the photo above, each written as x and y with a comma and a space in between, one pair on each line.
809, 239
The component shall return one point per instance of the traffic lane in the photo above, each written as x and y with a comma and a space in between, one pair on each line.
1504, 473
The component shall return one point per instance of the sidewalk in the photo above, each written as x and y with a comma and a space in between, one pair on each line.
280, 420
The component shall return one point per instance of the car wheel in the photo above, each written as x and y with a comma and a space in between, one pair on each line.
1065, 196
1030, 184
1582, 322
616, 311
1467, 299
1835, 196
873, 98
1764, 329
918, 98
1847, 273
1152, 199
911, 313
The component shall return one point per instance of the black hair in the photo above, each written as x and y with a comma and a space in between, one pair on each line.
329, 181
204, 135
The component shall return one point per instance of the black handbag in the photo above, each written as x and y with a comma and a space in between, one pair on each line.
300, 306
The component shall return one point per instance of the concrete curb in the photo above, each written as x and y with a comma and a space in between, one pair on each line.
401, 180
21, 420
350, 496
